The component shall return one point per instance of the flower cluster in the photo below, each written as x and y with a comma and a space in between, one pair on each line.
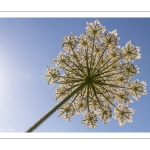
96, 76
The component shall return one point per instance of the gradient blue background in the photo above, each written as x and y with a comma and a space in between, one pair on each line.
27, 46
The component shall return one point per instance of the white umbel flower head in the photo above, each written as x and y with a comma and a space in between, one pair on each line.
90, 120
96, 78
136, 88
67, 111
105, 114
110, 39
123, 114
52, 75
131, 52
94, 30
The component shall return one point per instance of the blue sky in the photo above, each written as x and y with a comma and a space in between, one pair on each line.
27, 46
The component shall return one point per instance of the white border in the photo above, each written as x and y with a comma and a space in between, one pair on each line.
71, 135
71, 14
77, 5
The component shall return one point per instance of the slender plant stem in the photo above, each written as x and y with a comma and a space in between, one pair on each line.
50, 112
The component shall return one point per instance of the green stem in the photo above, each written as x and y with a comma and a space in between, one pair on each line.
50, 112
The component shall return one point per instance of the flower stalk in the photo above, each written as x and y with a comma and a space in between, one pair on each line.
51, 111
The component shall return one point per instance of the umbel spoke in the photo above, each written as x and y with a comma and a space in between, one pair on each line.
97, 78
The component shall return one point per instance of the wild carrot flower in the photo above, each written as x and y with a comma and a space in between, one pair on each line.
96, 76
